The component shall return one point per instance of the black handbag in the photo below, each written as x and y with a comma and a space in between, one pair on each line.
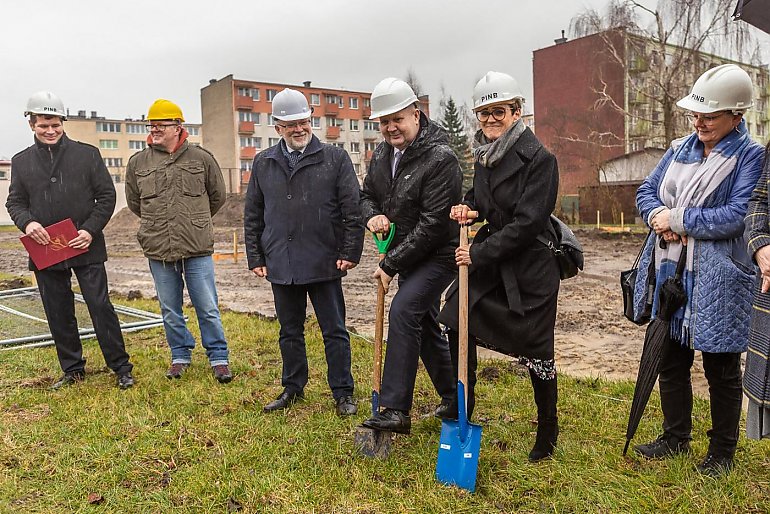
628, 284
569, 252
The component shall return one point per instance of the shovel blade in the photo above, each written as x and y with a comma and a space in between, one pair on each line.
373, 443
458, 456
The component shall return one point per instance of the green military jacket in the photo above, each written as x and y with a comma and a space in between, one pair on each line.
175, 195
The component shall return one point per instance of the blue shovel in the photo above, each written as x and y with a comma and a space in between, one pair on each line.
460, 441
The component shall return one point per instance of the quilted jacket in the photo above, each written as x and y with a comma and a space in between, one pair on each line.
723, 271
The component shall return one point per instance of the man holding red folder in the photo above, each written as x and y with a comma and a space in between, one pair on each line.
54, 179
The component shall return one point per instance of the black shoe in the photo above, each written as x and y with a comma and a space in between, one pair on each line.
662, 447
545, 441
285, 400
346, 406
391, 420
68, 379
222, 373
715, 466
125, 380
447, 410
177, 370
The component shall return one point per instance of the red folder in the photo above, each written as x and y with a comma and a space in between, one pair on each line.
57, 250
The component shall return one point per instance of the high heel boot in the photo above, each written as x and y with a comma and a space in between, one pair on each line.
547, 421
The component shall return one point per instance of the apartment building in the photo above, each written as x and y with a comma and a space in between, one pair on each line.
117, 140
5, 169
238, 123
594, 106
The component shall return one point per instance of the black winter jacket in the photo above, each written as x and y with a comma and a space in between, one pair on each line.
300, 223
427, 184
50, 183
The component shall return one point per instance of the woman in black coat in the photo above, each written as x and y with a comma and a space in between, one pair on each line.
514, 278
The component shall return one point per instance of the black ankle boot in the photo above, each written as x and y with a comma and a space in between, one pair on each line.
547, 421
545, 441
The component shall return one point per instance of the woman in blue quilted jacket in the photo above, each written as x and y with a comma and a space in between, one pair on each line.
695, 201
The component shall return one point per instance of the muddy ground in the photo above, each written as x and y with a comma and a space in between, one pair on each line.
592, 336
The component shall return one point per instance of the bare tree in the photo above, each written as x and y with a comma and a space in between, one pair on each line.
662, 50
413, 81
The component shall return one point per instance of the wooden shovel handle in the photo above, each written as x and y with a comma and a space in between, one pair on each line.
379, 326
462, 368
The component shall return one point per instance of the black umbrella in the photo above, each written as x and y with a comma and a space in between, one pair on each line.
755, 12
671, 297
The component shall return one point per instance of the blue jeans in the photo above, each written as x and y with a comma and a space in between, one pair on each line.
198, 273
329, 305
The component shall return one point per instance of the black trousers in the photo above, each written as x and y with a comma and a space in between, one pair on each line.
59, 303
414, 333
329, 305
723, 373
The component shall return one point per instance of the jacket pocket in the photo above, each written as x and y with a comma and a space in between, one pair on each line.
203, 236
193, 183
147, 183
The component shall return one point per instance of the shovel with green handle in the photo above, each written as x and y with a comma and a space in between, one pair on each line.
460, 441
370, 442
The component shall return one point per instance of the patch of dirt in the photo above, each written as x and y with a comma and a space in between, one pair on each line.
592, 336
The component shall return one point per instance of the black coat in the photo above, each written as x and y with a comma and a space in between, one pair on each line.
50, 183
300, 223
427, 183
514, 278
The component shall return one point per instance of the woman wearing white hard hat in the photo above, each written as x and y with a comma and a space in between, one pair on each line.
695, 200
514, 278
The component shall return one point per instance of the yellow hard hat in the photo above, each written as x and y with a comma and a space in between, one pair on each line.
164, 110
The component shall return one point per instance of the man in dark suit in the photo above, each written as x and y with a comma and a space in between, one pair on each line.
52, 180
303, 231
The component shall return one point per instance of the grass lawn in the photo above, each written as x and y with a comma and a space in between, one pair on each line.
193, 445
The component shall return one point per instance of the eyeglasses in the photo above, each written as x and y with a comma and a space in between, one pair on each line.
296, 124
708, 119
160, 126
498, 114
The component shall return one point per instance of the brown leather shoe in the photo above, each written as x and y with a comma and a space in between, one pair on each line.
222, 373
177, 370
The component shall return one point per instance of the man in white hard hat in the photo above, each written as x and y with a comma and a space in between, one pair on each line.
413, 180
54, 179
303, 231
176, 188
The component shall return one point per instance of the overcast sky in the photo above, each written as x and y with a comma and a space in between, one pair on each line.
117, 57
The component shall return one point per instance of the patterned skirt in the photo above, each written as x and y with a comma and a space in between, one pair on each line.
756, 379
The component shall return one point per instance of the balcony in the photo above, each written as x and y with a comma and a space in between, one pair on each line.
331, 109
243, 103
246, 127
368, 155
332, 132
367, 111
248, 152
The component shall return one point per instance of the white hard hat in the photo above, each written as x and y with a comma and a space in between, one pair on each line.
724, 88
45, 103
290, 105
389, 96
495, 87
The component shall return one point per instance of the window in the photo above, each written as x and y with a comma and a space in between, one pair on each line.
116, 178
257, 142
315, 99
248, 141
248, 116
315, 122
338, 145
3, 175
255, 94
244, 91
353, 103
271, 94
353, 124
270, 120
108, 144
371, 125
274, 141
355, 147
104, 126
113, 162
137, 145
370, 146
193, 131
367, 102
340, 102
246, 165
331, 121
357, 168
331, 99
134, 128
